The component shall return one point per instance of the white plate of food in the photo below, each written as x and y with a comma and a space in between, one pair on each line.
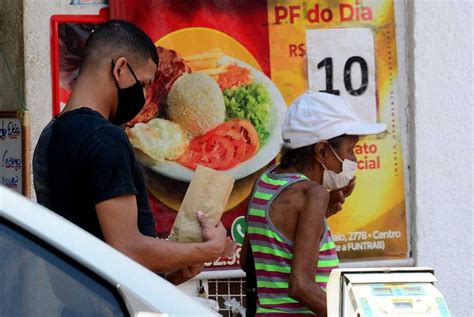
257, 101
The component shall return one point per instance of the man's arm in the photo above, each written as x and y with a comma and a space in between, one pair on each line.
118, 221
302, 285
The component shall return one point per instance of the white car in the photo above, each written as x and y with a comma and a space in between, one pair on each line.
51, 267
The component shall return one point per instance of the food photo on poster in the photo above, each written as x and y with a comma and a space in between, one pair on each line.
218, 112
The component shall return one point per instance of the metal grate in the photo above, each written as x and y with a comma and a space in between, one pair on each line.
220, 290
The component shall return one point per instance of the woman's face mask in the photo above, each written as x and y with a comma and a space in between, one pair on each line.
130, 101
333, 180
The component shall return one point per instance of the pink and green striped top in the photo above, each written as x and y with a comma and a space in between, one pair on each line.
273, 252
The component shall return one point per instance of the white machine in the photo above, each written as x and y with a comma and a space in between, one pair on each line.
383, 292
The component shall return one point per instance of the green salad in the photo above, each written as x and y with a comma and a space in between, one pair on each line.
251, 102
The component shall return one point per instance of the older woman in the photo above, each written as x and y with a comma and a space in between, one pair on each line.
288, 250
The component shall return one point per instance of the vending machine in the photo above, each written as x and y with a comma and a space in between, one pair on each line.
383, 292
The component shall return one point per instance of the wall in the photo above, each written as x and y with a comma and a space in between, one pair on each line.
441, 110
11, 43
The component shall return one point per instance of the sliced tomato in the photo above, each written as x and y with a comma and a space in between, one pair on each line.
247, 131
250, 151
239, 150
212, 151
222, 148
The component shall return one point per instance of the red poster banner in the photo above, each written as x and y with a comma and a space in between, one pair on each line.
239, 30
216, 61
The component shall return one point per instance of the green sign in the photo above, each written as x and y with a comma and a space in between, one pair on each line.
239, 226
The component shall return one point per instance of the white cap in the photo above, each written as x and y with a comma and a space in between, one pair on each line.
317, 116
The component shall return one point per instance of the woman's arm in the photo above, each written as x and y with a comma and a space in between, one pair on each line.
302, 284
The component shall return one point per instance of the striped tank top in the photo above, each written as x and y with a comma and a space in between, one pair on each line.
273, 252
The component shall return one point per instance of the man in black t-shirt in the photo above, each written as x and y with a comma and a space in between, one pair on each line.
89, 161
84, 166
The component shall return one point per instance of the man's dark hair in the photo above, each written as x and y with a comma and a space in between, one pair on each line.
304, 155
118, 38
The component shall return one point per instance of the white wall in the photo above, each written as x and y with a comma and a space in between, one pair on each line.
441, 103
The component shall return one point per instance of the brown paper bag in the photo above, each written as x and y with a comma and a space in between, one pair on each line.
209, 192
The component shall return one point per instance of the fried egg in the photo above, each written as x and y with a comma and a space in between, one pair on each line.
159, 139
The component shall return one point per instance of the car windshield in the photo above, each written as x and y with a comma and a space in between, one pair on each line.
37, 280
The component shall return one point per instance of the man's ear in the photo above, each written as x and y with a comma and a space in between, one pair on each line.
321, 151
118, 66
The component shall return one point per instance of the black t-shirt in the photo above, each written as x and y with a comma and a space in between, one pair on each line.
82, 159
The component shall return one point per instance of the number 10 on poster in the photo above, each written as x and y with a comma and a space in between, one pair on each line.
341, 62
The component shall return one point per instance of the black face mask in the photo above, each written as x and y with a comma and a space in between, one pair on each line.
130, 101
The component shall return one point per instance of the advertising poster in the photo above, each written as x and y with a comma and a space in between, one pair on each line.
227, 42
228, 70
349, 48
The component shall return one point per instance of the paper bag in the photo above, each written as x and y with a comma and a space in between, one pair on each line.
209, 192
